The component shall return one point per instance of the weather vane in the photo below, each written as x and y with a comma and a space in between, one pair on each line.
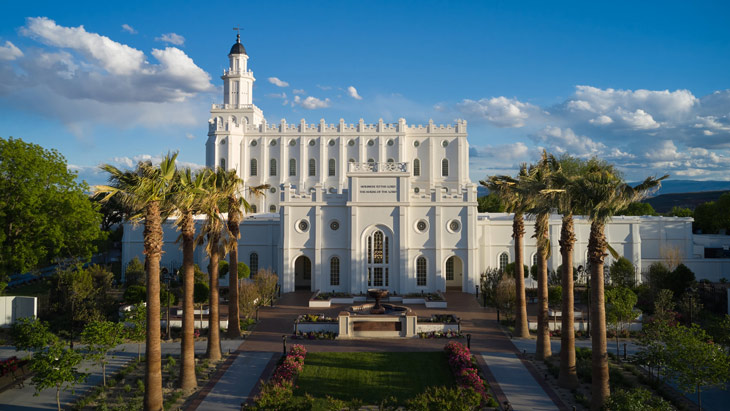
238, 30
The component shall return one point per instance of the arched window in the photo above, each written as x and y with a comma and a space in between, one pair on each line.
421, 271
253, 263
390, 160
503, 261
370, 160
272, 208
272, 167
292, 167
416, 167
223, 163
335, 271
253, 209
450, 269
331, 167
378, 260
444, 168
534, 259
352, 160
254, 167
312, 167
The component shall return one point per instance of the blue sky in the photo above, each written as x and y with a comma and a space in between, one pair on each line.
641, 84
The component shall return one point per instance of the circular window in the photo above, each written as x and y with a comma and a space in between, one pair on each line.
444, 143
303, 225
416, 143
390, 142
416, 190
312, 142
292, 142
332, 142
253, 143
273, 142
351, 143
421, 226
273, 189
371, 142
335, 225
223, 141
333, 190
454, 226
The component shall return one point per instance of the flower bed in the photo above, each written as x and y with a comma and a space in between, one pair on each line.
325, 300
465, 372
440, 334
314, 335
431, 300
12, 371
292, 365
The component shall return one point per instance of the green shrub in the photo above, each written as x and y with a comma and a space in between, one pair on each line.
135, 294
444, 398
637, 399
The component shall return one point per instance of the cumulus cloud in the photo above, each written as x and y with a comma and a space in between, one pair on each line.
129, 29
311, 103
277, 82
567, 141
352, 92
172, 38
93, 175
10, 52
601, 120
499, 111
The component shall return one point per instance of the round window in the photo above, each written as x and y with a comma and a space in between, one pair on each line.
351, 143
454, 225
335, 225
333, 190
273, 142
253, 143
421, 225
444, 143
311, 142
292, 142
371, 142
416, 143
223, 141
416, 190
390, 142
303, 225
272, 189
332, 142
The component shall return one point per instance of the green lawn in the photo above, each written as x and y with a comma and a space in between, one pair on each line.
372, 376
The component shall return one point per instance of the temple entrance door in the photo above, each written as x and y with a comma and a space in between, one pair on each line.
454, 272
302, 273
378, 260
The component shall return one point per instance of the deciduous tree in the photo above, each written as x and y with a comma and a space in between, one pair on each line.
101, 337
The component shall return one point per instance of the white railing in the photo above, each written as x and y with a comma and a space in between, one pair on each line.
387, 167
232, 106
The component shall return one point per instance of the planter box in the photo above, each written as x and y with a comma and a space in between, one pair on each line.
319, 303
343, 300
395, 299
409, 300
317, 327
430, 327
435, 304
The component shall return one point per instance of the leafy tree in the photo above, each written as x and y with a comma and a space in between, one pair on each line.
680, 279
222, 268
31, 334
638, 209
488, 282
505, 296
136, 322
490, 203
44, 212
623, 273
80, 295
243, 271
249, 299
134, 273
693, 361
690, 306
510, 269
706, 218
664, 307
266, 281
620, 302
55, 367
555, 297
135, 294
101, 337
637, 399
679, 212
657, 276
201, 295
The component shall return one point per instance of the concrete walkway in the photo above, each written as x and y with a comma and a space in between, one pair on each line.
517, 383
236, 385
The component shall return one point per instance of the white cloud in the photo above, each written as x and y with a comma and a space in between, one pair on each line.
500, 111
567, 141
276, 95
601, 120
662, 104
298, 91
129, 29
325, 88
190, 136
277, 82
352, 92
638, 119
311, 103
172, 38
10, 52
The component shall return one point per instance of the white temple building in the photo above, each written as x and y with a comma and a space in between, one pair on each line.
384, 205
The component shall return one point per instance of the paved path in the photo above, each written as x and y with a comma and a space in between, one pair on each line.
516, 382
236, 385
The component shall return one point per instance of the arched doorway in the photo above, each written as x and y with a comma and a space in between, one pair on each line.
377, 252
454, 272
302, 273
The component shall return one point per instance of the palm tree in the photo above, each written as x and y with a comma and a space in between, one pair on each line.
146, 192
602, 192
506, 188
211, 235
187, 197
231, 185
539, 191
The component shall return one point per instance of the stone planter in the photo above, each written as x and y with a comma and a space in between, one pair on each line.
435, 304
316, 327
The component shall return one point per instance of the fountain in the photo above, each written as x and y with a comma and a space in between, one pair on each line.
377, 320
377, 294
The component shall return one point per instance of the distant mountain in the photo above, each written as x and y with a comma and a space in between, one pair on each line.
664, 202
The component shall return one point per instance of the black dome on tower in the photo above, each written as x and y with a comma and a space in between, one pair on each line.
238, 47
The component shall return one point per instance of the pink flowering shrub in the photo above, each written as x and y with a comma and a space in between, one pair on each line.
467, 376
292, 365
10, 365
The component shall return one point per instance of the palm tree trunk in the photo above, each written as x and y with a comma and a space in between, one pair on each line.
234, 324
518, 233
188, 380
153, 238
599, 357
542, 350
568, 377
214, 329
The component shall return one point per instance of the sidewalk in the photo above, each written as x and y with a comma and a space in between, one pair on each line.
517, 383
236, 385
